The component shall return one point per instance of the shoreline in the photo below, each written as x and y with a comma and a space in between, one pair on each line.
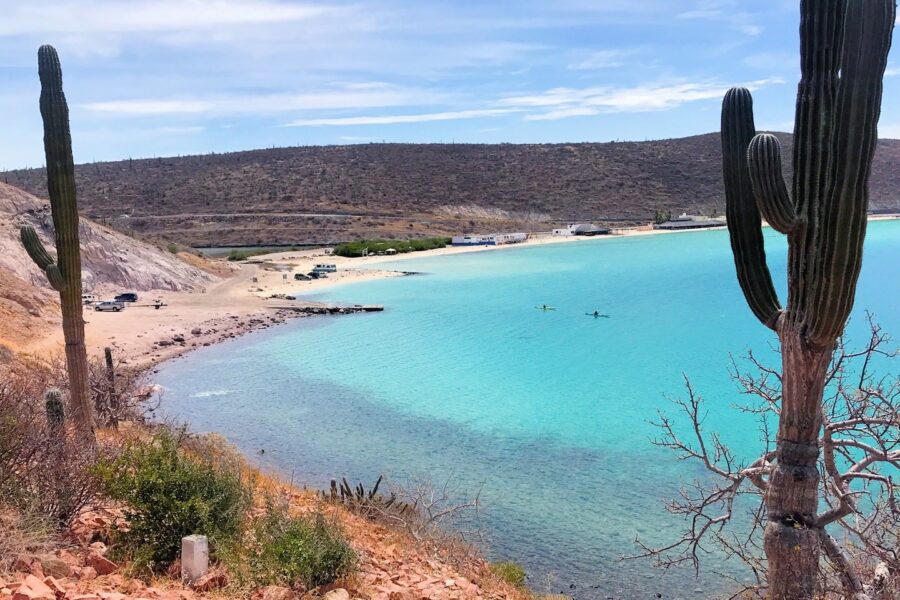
260, 294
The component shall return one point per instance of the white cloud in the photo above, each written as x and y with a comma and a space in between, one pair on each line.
604, 59
355, 95
117, 16
724, 11
570, 102
892, 71
395, 119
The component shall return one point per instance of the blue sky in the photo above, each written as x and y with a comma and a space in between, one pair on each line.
166, 77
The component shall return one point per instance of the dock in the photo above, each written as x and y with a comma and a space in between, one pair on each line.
329, 309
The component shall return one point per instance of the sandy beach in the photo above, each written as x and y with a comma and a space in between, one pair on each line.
261, 293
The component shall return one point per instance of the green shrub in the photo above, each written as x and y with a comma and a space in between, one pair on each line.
354, 249
302, 552
509, 572
173, 248
169, 494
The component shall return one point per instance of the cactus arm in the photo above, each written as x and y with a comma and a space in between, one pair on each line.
764, 159
868, 28
41, 258
744, 223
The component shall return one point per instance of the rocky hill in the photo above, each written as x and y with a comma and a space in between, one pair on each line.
332, 193
110, 261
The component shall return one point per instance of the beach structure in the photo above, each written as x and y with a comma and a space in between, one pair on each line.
586, 229
490, 239
686, 221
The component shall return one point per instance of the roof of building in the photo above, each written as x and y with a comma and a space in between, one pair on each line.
587, 228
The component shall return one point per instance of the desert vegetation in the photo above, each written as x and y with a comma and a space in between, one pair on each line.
333, 194
363, 247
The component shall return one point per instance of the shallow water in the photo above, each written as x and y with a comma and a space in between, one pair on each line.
546, 412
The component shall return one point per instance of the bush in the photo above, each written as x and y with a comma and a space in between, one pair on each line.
509, 572
355, 249
44, 471
302, 552
169, 494
173, 248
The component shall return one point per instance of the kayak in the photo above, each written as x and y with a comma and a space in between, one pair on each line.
597, 315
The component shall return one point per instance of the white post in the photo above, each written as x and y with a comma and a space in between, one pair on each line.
194, 558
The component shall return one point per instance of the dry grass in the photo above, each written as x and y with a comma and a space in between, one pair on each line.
23, 533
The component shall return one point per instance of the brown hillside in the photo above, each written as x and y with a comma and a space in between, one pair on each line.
110, 262
329, 193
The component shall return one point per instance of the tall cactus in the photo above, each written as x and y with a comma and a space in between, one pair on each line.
64, 274
844, 46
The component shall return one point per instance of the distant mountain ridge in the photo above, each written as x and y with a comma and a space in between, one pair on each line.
324, 194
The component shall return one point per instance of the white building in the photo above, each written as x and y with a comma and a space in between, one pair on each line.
489, 239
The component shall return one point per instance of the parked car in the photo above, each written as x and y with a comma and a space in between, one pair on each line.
301, 277
127, 297
88, 298
109, 306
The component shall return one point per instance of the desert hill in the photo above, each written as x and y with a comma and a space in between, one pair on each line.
325, 194
111, 261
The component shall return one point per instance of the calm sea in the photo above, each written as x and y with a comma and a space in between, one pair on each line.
547, 413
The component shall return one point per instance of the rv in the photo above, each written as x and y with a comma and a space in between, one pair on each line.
325, 268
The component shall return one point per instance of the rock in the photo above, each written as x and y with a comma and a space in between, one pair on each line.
58, 590
102, 565
23, 563
34, 589
338, 594
87, 573
55, 567
212, 581
196, 331
276, 592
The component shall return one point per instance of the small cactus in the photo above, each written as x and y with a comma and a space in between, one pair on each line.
64, 274
56, 411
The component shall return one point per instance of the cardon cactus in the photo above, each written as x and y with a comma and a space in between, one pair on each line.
844, 46
64, 274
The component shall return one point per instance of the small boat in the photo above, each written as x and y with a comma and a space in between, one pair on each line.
597, 315
545, 308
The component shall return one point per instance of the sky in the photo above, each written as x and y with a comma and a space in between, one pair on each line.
172, 77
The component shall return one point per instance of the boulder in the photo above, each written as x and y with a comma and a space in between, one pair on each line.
102, 565
210, 582
55, 567
276, 592
34, 589
338, 594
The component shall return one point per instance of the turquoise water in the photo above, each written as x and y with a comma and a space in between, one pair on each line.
547, 413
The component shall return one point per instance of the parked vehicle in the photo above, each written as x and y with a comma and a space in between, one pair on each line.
301, 277
127, 297
109, 306
325, 268
89, 298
